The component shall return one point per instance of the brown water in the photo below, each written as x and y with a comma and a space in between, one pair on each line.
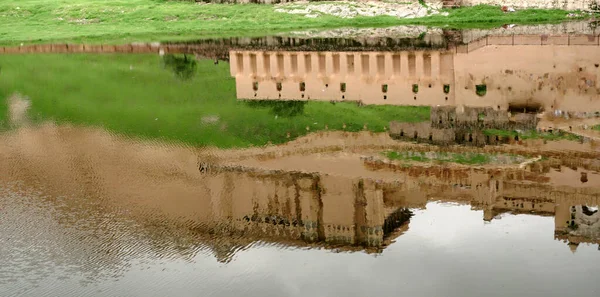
87, 213
51, 249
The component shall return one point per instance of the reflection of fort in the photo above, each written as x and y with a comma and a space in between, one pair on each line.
553, 72
163, 186
347, 211
578, 224
570, 195
358, 207
307, 207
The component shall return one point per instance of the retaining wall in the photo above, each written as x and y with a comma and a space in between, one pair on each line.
546, 4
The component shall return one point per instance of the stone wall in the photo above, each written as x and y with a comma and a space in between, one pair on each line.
561, 74
463, 125
221, 47
450, 117
425, 133
576, 28
547, 4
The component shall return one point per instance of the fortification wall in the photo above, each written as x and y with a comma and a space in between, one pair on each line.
547, 4
557, 76
450, 117
575, 28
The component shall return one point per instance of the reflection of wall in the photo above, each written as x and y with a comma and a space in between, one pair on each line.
550, 76
535, 191
163, 185
455, 125
299, 206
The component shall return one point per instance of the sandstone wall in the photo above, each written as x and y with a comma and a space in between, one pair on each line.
449, 117
553, 76
547, 4
577, 28
424, 133
463, 125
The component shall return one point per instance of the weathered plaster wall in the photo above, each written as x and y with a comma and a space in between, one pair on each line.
555, 77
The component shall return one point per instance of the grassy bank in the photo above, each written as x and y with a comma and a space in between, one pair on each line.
137, 95
532, 134
120, 21
459, 158
3, 110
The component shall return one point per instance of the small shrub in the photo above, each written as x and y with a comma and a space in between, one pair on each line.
480, 90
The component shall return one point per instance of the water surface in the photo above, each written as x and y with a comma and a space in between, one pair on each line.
114, 180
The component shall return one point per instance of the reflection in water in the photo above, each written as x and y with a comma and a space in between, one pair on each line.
93, 204
87, 213
183, 67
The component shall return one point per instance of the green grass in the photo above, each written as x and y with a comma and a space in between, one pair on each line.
117, 21
3, 109
149, 101
459, 158
560, 135
503, 133
597, 128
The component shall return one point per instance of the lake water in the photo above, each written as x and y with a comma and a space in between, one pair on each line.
51, 249
115, 180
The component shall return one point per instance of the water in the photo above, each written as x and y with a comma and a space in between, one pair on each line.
448, 249
121, 173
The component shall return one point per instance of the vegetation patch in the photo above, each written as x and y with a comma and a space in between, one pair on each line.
117, 21
3, 109
145, 96
559, 135
458, 158
533, 134
503, 133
